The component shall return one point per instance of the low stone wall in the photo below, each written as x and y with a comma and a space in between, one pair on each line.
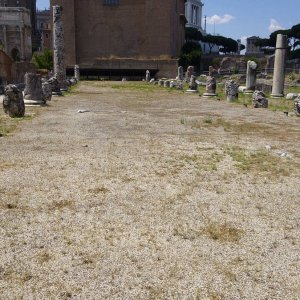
164, 67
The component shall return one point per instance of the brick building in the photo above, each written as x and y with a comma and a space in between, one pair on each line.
123, 34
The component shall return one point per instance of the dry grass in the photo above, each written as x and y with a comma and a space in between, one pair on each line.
223, 232
157, 206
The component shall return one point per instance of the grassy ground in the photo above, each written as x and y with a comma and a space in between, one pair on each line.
150, 194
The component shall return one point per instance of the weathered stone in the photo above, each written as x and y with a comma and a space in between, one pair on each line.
189, 73
211, 85
160, 82
13, 103
279, 66
297, 106
291, 96
33, 92
55, 87
173, 84
193, 85
179, 85
58, 47
167, 83
212, 71
231, 90
180, 73
242, 89
47, 91
251, 76
77, 73
259, 100
148, 76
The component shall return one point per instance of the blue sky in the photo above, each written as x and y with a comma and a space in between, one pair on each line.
243, 18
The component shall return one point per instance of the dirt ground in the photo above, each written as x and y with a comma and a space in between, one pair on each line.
149, 194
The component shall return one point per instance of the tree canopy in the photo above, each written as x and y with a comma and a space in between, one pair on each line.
268, 44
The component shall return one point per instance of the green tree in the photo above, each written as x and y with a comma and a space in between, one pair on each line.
192, 34
190, 55
43, 60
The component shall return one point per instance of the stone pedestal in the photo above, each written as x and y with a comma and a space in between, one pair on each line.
55, 87
211, 86
58, 47
33, 92
279, 66
193, 85
77, 73
13, 103
251, 77
231, 90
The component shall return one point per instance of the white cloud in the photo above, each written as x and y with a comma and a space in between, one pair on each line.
274, 25
215, 19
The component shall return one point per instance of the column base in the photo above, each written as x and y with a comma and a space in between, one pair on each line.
208, 95
277, 96
34, 102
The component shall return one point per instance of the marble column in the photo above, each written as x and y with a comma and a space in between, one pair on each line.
77, 73
279, 66
58, 47
33, 92
180, 73
251, 76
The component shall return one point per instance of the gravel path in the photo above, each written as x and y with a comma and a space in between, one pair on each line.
150, 194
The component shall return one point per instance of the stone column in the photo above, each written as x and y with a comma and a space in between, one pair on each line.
5, 39
58, 47
22, 44
77, 73
251, 77
279, 66
33, 92
148, 77
180, 73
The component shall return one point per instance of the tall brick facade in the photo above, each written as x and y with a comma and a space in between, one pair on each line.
106, 30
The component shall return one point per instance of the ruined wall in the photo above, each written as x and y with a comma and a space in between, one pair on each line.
5, 67
140, 29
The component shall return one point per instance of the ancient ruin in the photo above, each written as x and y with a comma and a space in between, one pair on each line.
211, 86
259, 100
297, 106
279, 66
231, 90
58, 47
77, 73
33, 93
180, 75
251, 77
13, 103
